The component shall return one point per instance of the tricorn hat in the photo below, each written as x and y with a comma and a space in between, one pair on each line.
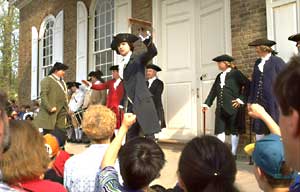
295, 37
265, 42
154, 67
72, 84
114, 67
58, 66
224, 57
122, 37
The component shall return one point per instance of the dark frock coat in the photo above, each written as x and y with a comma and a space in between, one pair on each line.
226, 115
137, 94
272, 68
157, 88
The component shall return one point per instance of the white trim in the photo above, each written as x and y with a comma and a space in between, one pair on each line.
42, 27
58, 38
34, 62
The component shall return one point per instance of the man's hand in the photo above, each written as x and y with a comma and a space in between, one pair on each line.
53, 110
128, 120
256, 111
85, 82
235, 104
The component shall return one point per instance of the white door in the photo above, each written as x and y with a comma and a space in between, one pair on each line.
213, 39
283, 21
188, 35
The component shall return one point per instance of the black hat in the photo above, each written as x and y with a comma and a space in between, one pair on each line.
91, 74
114, 67
223, 58
72, 84
58, 66
295, 37
265, 42
152, 66
98, 74
122, 37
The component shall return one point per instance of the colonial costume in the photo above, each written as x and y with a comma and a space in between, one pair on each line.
156, 87
137, 95
53, 94
228, 88
296, 38
264, 75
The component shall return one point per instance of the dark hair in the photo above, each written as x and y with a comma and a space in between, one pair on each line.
4, 104
284, 170
130, 46
141, 160
287, 87
206, 164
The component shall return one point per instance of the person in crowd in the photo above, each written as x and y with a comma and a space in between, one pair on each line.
227, 88
141, 160
115, 92
25, 162
287, 92
14, 115
54, 144
36, 108
266, 69
75, 109
4, 136
156, 87
296, 38
271, 171
206, 164
28, 116
138, 98
80, 170
54, 102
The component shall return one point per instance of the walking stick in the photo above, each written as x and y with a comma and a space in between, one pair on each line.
250, 141
204, 123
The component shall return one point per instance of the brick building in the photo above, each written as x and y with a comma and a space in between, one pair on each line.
188, 34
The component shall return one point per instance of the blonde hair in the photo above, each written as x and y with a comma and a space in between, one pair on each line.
27, 158
98, 122
229, 64
265, 48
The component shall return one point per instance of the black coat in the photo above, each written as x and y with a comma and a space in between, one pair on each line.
137, 91
272, 68
157, 88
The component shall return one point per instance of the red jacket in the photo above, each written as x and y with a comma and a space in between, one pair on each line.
114, 97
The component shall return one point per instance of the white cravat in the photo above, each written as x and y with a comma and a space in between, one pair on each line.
123, 62
116, 83
150, 81
263, 62
223, 76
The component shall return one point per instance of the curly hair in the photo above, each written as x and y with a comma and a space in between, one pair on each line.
98, 122
27, 158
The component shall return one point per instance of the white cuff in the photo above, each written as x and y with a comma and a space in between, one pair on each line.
240, 101
121, 107
147, 37
206, 106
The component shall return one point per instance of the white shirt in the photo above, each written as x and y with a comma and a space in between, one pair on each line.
263, 62
124, 62
150, 81
116, 83
81, 169
223, 76
76, 100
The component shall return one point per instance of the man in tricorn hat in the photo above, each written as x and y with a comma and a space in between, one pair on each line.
115, 92
227, 88
296, 38
266, 69
156, 87
137, 95
54, 100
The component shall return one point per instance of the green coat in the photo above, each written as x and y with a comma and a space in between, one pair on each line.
53, 94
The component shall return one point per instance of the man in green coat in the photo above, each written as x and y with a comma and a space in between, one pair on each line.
54, 100
227, 88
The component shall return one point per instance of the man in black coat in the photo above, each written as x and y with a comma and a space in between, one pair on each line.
137, 95
156, 87
296, 38
228, 88
266, 69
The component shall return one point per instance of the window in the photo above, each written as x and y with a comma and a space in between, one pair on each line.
102, 36
47, 48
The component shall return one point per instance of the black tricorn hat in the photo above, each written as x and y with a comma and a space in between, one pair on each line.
154, 67
265, 42
224, 57
114, 67
72, 84
295, 37
58, 66
122, 37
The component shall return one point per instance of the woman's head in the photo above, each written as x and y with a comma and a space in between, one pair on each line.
206, 164
27, 158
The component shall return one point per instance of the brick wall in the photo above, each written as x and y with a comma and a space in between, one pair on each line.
33, 15
248, 22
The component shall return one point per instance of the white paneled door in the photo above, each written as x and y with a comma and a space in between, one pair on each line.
188, 33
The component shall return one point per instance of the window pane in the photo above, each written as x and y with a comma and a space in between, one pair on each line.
108, 41
97, 59
102, 31
108, 29
103, 57
97, 33
96, 48
108, 17
109, 56
102, 68
102, 44
102, 19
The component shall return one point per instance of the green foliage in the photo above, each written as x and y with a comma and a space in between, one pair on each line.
9, 45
